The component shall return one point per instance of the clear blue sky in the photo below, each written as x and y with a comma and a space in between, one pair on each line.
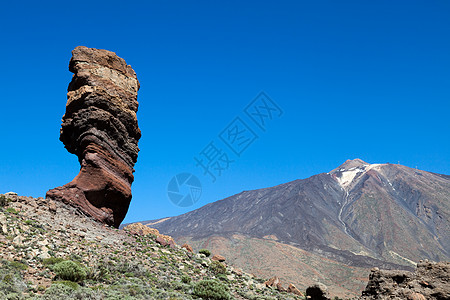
355, 79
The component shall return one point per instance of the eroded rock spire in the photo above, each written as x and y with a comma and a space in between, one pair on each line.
100, 127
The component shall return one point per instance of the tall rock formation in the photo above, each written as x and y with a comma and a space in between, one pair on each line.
100, 127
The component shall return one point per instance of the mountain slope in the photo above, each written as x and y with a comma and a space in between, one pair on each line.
359, 214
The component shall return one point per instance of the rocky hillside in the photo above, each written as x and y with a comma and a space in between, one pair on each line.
360, 215
49, 250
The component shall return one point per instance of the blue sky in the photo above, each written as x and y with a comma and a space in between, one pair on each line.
355, 79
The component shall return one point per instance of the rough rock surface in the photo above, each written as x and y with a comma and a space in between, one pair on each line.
100, 127
272, 282
317, 292
430, 281
218, 258
140, 229
188, 248
294, 290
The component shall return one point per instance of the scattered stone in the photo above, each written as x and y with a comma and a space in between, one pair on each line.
100, 127
18, 240
52, 206
44, 255
416, 296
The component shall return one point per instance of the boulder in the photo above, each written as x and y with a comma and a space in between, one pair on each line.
141, 229
188, 248
430, 281
317, 291
272, 282
280, 287
161, 241
218, 258
100, 127
293, 290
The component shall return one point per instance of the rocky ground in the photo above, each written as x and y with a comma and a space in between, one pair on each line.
430, 281
49, 250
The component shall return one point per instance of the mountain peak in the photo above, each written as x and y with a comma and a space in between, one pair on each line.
350, 164
350, 170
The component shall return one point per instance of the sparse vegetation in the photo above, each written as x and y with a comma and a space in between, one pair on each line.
3, 201
211, 289
52, 260
185, 279
70, 270
206, 252
218, 267
11, 210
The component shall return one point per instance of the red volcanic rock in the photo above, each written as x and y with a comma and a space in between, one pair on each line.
100, 127
188, 248
218, 258
430, 281
280, 287
292, 289
272, 282
160, 240
171, 244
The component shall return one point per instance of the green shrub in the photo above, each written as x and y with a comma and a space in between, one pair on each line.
211, 289
3, 200
58, 291
12, 284
222, 277
51, 261
11, 210
18, 265
71, 284
69, 270
185, 279
205, 251
217, 267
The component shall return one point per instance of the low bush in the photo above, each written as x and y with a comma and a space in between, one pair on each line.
18, 265
185, 279
51, 261
71, 284
205, 251
211, 289
69, 270
3, 200
217, 267
11, 210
